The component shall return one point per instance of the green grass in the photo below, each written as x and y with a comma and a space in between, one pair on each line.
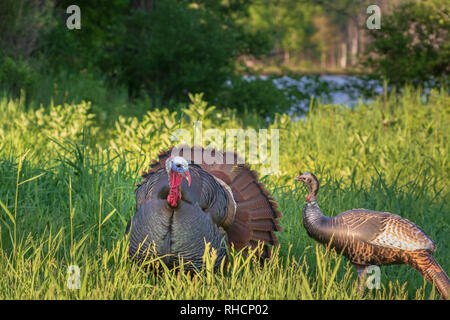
67, 181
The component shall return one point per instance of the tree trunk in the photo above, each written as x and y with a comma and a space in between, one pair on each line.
146, 5
354, 50
323, 60
286, 57
352, 32
343, 59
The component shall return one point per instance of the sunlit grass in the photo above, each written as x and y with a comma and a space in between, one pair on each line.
66, 194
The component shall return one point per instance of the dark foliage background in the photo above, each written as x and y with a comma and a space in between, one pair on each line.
153, 53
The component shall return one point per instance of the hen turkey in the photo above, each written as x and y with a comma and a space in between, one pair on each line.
369, 237
185, 202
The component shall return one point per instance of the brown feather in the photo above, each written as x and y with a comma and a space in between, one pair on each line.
427, 266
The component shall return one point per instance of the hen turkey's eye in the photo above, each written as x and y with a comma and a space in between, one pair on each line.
178, 165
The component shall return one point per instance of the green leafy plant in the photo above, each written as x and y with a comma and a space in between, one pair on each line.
17, 75
174, 49
255, 96
412, 45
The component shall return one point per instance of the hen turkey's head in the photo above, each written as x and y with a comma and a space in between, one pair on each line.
177, 168
311, 183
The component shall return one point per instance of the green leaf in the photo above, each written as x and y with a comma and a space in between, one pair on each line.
8, 212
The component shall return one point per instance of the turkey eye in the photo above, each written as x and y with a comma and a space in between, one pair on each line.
178, 165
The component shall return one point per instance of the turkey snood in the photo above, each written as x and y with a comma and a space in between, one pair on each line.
174, 196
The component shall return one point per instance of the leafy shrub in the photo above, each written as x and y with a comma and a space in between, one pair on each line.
155, 131
21, 23
151, 133
257, 96
75, 50
412, 44
173, 49
40, 129
74, 87
16, 75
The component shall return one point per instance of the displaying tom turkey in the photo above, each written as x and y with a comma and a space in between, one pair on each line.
368, 237
186, 201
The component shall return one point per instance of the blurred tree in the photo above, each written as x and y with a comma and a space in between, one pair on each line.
79, 49
412, 45
21, 22
325, 38
331, 30
174, 47
146, 5
288, 22
348, 17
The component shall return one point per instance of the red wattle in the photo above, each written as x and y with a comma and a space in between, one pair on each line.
174, 196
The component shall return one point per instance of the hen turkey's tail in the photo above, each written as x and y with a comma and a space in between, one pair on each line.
256, 218
427, 266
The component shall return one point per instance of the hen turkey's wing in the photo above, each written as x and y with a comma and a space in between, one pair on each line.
400, 233
384, 229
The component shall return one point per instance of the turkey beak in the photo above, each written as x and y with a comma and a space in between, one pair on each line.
298, 178
187, 175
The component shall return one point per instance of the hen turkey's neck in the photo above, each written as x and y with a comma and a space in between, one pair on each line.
174, 196
314, 221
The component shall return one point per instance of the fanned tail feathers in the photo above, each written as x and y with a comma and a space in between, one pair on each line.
257, 218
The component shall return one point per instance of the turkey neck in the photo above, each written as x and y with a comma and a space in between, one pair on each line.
175, 191
316, 224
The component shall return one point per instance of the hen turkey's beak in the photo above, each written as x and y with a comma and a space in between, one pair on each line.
297, 178
187, 175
